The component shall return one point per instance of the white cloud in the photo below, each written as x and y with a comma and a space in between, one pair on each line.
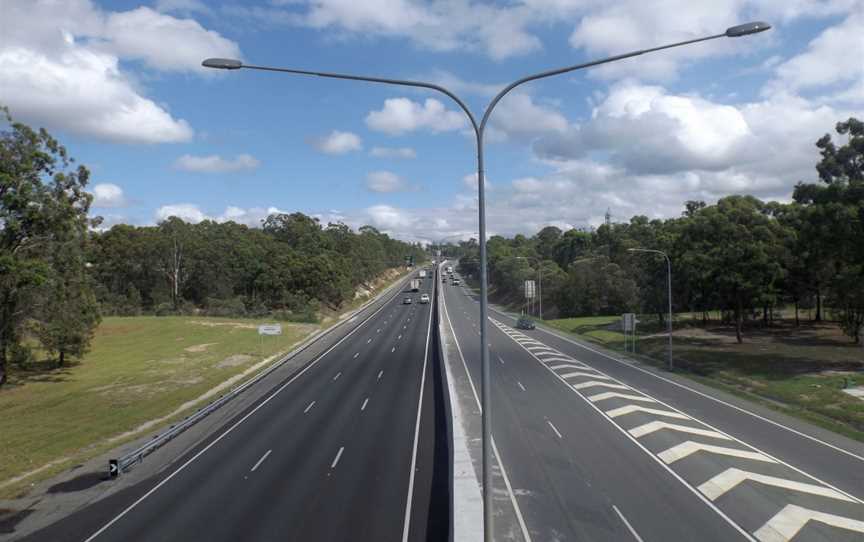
60, 67
338, 143
189, 212
518, 117
470, 182
402, 115
385, 181
107, 195
393, 152
214, 163
829, 59
388, 218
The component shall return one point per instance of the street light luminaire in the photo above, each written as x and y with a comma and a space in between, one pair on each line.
746, 29
222, 63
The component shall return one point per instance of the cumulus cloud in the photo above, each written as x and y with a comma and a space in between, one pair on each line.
337, 142
393, 152
519, 117
189, 212
385, 181
60, 67
108, 195
214, 163
402, 115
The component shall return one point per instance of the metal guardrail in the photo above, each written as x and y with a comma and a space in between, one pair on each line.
125, 462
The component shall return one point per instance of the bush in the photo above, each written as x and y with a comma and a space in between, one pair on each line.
225, 307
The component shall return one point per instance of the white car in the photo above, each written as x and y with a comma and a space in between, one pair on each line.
424, 298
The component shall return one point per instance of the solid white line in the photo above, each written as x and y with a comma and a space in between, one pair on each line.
554, 429
335, 378
521, 386
364, 404
701, 394
499, 359
381, 372
241, 420
407, 525
525, 534
627, 524
338, 455
308, 407
263, 457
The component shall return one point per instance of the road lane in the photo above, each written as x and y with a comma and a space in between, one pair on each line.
331, 454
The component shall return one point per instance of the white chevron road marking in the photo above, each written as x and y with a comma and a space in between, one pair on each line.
651, 427
586, 375
573, 365
628, 409
616, 395
786, 524
730, 478
594, 383
689, 447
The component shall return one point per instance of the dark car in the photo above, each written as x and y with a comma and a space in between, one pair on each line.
525, 322
407, 301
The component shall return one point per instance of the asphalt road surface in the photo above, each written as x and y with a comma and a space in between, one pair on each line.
598, 449
337, 452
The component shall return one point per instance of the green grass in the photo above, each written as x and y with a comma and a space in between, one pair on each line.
800, 371
139, 369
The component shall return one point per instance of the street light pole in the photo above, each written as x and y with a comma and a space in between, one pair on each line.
486, 397
668, 293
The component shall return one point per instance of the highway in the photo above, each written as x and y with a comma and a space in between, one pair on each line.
339, 451
599, 449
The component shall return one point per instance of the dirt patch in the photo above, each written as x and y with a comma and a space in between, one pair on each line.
199, 347
233, 361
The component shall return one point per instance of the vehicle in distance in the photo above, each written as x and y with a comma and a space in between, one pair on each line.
455, 282
450, 269
407, 301
424, 298
415, 285
422, 273
525, 322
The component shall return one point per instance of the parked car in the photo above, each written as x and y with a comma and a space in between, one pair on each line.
407, 301
524, 322
424, 298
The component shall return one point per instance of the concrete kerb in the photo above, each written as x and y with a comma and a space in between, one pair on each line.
467, 499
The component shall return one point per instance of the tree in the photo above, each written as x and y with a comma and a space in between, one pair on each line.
41, 196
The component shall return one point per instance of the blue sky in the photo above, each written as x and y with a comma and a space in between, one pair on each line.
120, 84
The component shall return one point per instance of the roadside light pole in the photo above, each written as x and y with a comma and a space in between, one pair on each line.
668, 293
479, 129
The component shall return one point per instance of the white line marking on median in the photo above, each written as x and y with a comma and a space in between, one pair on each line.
309, 407
554, 429
381, 372
792, 518
263, 457
520, 385
628, 409
586, 375
689, 447
651, 427
335, 378
499, 359
730, 478
595, 383
369, 340
615, 395
338, 456
363, 407
571, 365
356, 354
627, 524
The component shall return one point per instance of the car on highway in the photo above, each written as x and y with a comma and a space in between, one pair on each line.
456, 282
524, 322
407, 301
424, 298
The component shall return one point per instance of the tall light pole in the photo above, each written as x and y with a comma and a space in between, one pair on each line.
479, 129
669, 293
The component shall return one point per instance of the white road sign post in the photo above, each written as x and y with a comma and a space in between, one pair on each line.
530, 294
629, 321
268, 329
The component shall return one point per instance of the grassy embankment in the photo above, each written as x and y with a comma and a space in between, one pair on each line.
800, 371
139, 370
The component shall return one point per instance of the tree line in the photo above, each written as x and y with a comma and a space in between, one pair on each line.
741, 256
60, 272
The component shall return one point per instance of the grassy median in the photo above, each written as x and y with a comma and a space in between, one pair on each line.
798, 370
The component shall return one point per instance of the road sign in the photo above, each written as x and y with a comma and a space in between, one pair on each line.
270, 329
629, 321
113, 468
530, 291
